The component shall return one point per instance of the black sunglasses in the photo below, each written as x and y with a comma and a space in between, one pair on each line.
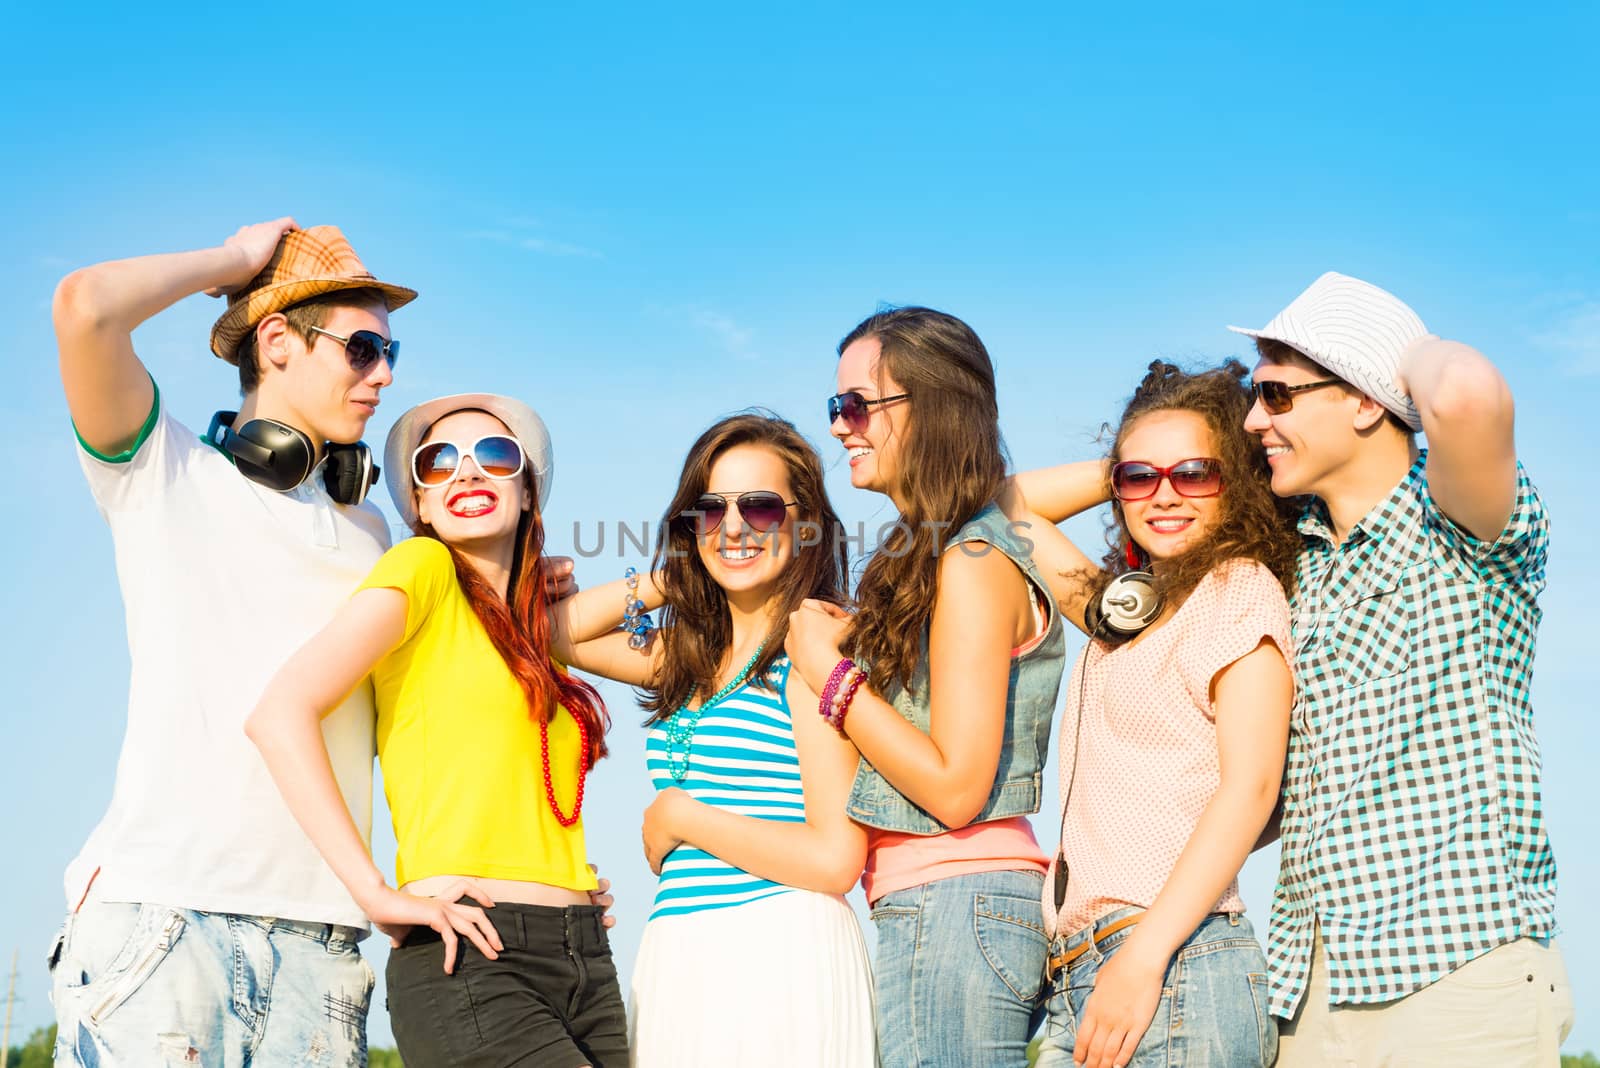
1278, 397
855, 409
363, 348
760, 510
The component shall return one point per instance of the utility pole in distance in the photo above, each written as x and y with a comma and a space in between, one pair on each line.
11, 996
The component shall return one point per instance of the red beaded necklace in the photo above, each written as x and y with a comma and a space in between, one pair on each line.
583, 769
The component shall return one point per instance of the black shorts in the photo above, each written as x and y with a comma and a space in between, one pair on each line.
550, 999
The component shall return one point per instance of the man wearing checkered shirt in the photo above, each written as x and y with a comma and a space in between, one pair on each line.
1415, 908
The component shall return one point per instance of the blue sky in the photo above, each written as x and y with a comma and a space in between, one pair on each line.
640, 219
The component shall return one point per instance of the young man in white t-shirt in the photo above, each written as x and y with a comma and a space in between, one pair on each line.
197, 904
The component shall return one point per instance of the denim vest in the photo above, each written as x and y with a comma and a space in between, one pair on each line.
1031, 693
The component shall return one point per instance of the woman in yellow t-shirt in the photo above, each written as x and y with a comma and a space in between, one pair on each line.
485, 742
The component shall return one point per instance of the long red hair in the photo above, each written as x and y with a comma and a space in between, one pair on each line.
519, 625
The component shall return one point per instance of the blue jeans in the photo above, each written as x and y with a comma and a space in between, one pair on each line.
1213, 1009
958, 971
141, 985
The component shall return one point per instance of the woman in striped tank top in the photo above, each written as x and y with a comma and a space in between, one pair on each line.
751, 955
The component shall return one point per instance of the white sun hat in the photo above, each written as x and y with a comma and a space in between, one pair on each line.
523, 422
1355, 330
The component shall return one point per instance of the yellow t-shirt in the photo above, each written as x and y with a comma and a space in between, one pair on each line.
459, 750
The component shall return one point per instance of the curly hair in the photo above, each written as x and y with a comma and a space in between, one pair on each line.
952, 463
1253, 523
696, 627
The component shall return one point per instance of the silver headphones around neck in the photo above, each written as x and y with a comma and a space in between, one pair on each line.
1128, 604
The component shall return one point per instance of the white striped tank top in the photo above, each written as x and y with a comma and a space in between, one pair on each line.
742, 759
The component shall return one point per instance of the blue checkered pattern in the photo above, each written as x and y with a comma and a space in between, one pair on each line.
1412, 828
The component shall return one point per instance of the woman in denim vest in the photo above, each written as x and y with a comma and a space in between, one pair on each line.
1174, 734
945, 680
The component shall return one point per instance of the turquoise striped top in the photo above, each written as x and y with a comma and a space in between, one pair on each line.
742, 759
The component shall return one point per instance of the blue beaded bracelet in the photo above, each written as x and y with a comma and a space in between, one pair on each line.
635, 620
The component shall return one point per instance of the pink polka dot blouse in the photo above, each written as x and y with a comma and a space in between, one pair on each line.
1148, 764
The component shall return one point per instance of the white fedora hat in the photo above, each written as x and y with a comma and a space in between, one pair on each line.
523, 422
1355, 330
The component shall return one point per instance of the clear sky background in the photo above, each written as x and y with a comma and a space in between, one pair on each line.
642, 219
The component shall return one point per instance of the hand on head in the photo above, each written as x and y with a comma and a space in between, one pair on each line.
254, 245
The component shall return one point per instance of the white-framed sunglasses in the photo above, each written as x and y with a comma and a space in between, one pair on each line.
437, 463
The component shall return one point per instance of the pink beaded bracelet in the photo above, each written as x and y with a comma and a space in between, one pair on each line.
843, 703
830, 711
831, 689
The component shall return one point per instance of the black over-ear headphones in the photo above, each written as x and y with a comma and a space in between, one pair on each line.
281, 457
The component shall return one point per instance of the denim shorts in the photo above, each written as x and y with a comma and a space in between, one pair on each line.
550, 997
1213, 1009
145, 984
957, 973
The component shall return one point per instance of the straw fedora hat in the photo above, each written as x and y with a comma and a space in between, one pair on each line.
307, 264
523, 422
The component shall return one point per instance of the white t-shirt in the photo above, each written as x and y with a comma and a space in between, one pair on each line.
222, 580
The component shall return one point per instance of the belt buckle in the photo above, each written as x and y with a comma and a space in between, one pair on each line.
1053, 966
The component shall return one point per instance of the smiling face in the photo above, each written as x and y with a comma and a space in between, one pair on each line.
1167, 524
472, 509
316, 384
1318, 438
875, 449
738, 558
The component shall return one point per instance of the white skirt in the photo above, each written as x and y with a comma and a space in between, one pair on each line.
781, 982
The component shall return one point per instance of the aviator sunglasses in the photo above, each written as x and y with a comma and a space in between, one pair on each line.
760, 510
1135, 480
855, 409
1278, 397
363, 347
437, 462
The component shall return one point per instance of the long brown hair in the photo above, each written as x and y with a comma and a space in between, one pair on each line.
519, 623
952, 461
696, 625
1252, 522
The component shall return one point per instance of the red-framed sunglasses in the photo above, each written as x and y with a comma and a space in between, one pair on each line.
1135, 480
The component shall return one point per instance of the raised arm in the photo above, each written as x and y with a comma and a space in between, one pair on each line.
1035, 501
1061, 492
287, 727
982, 606
826, 852
1468, 417
97, 308
1251, 699
584, 634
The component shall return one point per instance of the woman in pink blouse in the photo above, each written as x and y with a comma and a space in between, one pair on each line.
1174, 733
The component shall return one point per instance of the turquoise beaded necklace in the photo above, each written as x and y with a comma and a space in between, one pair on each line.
680, 728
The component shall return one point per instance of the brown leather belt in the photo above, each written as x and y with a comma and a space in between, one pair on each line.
1065, 958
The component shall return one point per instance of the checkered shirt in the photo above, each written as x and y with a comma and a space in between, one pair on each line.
1412, 825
